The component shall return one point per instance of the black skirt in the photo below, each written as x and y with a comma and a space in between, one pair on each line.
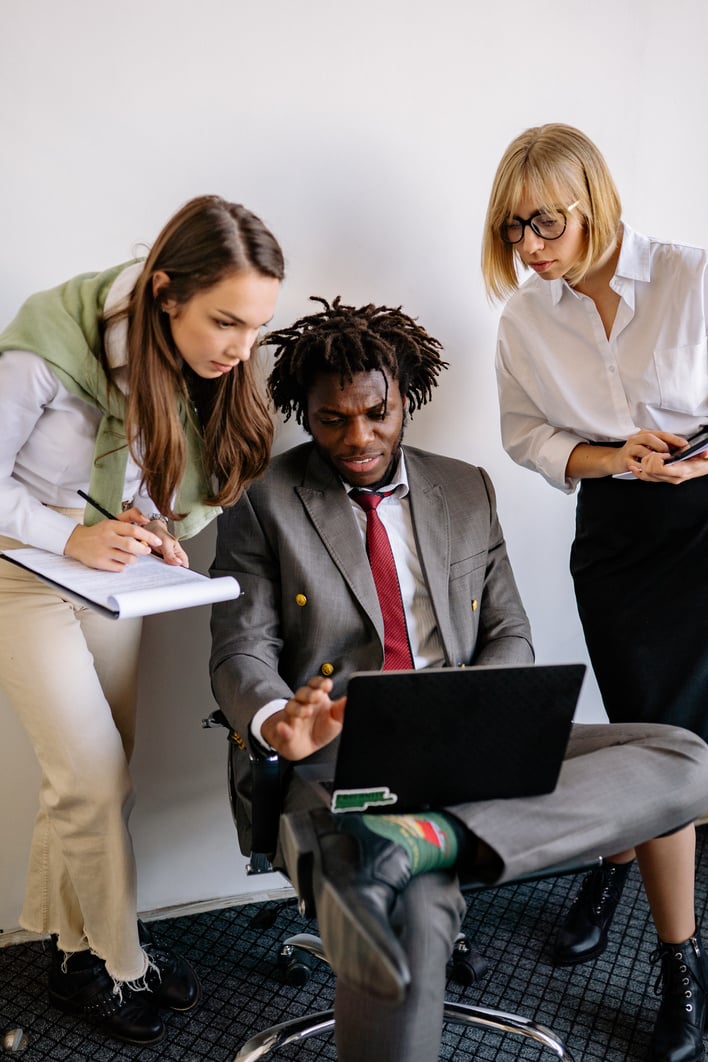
640, 567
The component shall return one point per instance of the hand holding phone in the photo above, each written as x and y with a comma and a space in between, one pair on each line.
697, 444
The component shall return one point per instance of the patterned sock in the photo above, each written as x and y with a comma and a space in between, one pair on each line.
432, 840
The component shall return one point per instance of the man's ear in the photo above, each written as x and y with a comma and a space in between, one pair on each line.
161, 281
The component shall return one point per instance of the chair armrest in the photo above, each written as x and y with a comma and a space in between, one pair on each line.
255, 793
265, 804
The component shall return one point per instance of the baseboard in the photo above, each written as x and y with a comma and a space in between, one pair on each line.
21, 936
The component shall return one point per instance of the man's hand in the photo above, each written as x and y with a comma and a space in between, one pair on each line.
309, 721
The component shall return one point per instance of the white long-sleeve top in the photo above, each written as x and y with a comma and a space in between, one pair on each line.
562, 382
48, 436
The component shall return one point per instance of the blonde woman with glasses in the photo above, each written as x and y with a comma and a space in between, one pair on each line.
602, 369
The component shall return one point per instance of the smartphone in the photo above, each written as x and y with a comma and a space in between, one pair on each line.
696, 445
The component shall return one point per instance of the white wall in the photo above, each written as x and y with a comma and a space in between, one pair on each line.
366, 134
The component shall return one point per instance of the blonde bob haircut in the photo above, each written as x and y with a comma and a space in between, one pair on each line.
558, 167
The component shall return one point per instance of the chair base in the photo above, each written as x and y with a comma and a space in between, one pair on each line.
298, 1029
289, 1032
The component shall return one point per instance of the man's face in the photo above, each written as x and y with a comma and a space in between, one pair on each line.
358, 427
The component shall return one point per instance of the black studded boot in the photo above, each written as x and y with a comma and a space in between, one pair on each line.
583, 935
80, 984
681, 982
171, 980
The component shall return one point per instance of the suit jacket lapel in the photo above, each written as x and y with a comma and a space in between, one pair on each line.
328, 506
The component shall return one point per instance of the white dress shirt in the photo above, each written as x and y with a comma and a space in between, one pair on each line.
563, 382
395, 514
48, 437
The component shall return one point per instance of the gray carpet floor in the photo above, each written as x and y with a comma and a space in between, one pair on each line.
605, 1009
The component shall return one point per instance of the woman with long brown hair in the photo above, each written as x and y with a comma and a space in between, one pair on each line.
135, 385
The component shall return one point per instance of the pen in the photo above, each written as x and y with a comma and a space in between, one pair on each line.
104, 512
96, 506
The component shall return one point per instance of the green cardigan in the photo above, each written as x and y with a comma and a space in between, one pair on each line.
62, 326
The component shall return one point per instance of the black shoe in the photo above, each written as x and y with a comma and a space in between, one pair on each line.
171, 980
682, 983
350, 876
86, 989
584, 932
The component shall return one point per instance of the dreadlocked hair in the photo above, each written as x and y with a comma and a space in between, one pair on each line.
347, 340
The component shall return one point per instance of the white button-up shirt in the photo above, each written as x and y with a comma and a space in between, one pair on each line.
563, 382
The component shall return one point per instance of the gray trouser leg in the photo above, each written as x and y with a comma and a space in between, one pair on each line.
620, 785
427, 919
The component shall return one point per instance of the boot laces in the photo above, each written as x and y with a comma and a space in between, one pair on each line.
608, 891
674, 975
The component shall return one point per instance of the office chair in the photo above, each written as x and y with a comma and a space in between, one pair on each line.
265, 781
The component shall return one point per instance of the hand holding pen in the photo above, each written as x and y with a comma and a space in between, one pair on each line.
120, 540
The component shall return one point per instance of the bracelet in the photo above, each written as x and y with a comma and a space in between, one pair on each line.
160, 517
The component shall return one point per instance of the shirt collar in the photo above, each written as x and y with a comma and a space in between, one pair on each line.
634, 263
116, 341
557, 289
398, 484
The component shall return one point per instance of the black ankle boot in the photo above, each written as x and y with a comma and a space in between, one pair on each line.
171, 981
584, 932
682, 983
79, 984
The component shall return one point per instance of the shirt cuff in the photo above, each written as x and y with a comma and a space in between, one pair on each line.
49, 530
259, 719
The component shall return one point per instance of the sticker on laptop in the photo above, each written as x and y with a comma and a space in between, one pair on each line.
361, 799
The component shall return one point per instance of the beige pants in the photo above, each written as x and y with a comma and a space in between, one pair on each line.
71, 676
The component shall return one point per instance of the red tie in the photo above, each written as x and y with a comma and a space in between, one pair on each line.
397, 652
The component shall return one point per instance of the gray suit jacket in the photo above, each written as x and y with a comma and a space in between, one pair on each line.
309, 604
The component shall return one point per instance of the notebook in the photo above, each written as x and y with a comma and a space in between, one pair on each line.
419, 740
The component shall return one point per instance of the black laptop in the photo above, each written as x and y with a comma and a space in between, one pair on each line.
417, 740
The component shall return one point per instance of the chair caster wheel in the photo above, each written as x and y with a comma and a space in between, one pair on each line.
13, 1042
295, 964
466, 964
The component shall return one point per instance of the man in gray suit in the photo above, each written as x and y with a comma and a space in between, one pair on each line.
385, 888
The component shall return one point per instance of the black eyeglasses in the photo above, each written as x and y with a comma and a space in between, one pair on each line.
549, 225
